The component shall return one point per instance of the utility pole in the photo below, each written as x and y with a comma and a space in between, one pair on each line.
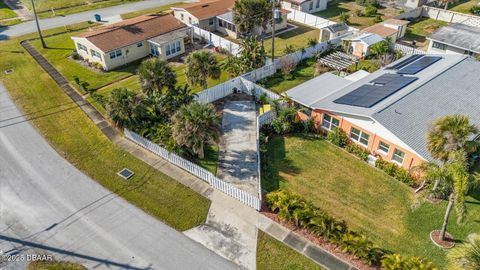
273, 30
38, 25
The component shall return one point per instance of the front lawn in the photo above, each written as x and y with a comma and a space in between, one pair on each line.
298, 38
54, 265
464, 6
273, 254
337, 7
6, 12
150, 11
366, 198
418, 31
76, 138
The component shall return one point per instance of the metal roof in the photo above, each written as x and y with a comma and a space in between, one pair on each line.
338, 27
459, 35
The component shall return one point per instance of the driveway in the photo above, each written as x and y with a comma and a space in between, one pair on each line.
47, 205
29, 27
237, 162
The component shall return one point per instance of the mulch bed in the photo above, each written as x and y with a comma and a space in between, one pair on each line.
449, 242
332, 248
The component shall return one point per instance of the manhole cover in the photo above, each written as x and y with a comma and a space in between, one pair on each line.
125, 173
8, 71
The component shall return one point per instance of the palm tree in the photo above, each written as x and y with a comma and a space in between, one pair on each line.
466, 256
253, 54
177, 97
248, 15
195, 125
122, 107
156, 74
233, 66
200, 66
450, 133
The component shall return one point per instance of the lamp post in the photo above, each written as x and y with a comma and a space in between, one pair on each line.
38, 25
275, 17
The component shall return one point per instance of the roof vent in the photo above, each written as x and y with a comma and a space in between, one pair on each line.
204, 6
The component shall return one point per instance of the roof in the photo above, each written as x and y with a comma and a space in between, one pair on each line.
298, 2
454, 91
168, 37
459, 35
396, 22
208, 8
367, 38
317, 88
227, 16
338, 27
381, 30
357, 75
127, 32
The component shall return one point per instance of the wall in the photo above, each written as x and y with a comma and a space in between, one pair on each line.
178, 14
448, 50
162, 49
305, 7
450, 16
134, 53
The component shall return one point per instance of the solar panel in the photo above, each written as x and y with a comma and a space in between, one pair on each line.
406, 61
419, 65
368, 95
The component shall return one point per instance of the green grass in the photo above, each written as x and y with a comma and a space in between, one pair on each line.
367, 199
337, 7
422, 28
365, 64
298, 38
304, 71
273, 254
150, 11
75, 137
464, 6
6, 12
209, 162
54, 265
10, 22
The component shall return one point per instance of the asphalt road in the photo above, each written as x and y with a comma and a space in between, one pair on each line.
48, 206
29, 27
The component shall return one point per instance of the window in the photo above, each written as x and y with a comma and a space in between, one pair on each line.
359, 136
154, 50
330, 122
115, 54
383, 147
318, 4
140, 44
82, 47
439, 45
398, 156
310, 7
220, 23
179, 48
189, 20
95, 54
181, 16
468, 52
167, 49
211, 21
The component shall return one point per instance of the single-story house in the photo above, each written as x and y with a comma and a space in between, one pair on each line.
390, 111
392, 29
359, 44
332, 31
121, 43
217, 15
455, 38
308, 6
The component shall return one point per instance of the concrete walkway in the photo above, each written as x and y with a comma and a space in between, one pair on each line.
237, 160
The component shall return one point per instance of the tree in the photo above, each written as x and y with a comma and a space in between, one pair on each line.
233, 66
445, 3
176, 98
122, 107
370, 11
466, 256
379, 48
155, 75
450, 133
248, 15
344, 17
253, 55
195, 125
200, 66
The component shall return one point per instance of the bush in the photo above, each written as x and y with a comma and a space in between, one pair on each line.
395, 171
475, 10
289, 49
97, 65
359, 13
366, 3
284, 122
398, 262
357, 150
344, 17
378, 19
75, 55
370, 11
337, 137
312, 42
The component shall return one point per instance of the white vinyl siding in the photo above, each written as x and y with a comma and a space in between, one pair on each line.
398, 156
330, 122
359, 136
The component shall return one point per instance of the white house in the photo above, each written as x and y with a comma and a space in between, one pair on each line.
308, 6
359, 44
455, 39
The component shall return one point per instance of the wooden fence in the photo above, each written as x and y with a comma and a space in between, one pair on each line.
227, 188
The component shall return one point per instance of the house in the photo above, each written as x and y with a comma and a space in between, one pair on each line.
359, 44
391, 29
121, 43
332, 31
217, 15
455, 38
389, 112
308, 6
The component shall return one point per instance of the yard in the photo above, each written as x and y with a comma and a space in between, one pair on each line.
464, 6
273, 254
337, 7
150, 11
418, 31
298, 38
49, 265
366, 198
6, 12
75, 137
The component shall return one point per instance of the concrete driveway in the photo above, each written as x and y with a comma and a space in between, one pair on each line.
47, 205
237, 162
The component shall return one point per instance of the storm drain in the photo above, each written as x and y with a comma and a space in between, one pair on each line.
125, 173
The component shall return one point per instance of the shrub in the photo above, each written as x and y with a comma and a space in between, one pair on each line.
312, 42
287, 66
357, 150
379, 48
289, 49
475, 10
344, 17
337, 137
97, 65
75, 55
283, 123
399, 262
395, 171
370, 11
366, 3
378, 19
359, 13
360, 246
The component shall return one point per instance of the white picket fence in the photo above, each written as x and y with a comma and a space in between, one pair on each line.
242, 196
217, 40
219, 91
311, 20
406, 49
252, 88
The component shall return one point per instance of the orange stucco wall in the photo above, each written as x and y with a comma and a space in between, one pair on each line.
410, 160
